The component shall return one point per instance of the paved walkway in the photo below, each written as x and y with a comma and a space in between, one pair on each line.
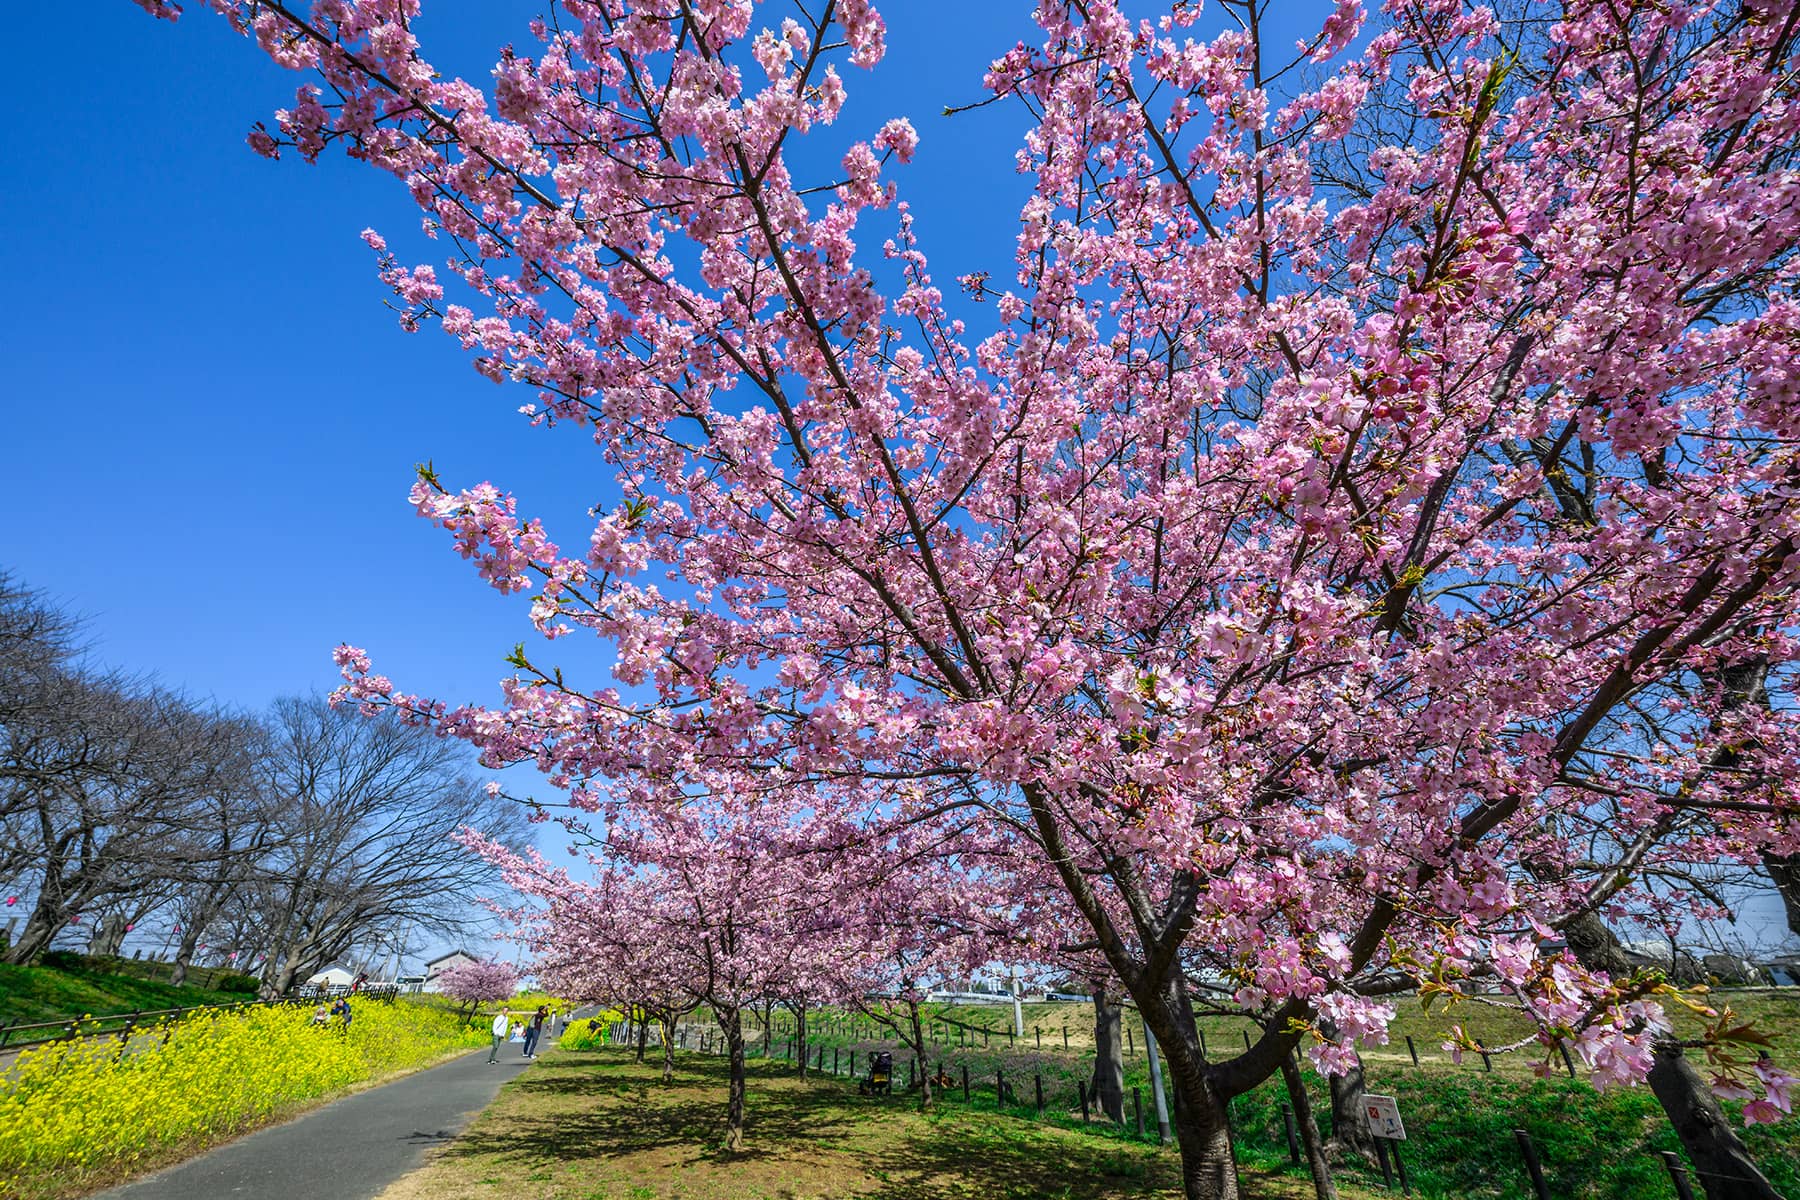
349, 1150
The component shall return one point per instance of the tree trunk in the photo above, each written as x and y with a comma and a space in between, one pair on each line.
919, 1055
108, 935
283, 977
184, 954
799, 1011
1724, 1165
40, 927
1108, 1084
1208, 1163
1784, 871
734, 1104
1202, 1131
1350, 1136
643, 1032
768, 1029
667, 1022
1309, 1130
31, 940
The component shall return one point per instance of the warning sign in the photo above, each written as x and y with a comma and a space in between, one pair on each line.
1384, 1118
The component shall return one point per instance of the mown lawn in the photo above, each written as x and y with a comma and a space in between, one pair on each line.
595, 1125
31, 994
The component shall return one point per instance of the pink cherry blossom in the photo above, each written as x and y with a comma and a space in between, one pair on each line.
1325, 559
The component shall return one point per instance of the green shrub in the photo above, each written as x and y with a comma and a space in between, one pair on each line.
245, 985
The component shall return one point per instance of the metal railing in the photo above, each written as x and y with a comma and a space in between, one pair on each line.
20, 1035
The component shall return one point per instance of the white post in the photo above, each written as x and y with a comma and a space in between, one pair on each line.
1156, 1085
1018, 1008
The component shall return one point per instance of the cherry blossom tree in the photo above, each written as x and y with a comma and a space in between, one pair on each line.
1351, 499
718, 904
920, 920
616, 940
481, 982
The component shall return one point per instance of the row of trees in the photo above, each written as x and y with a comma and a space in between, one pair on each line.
280, 841
1349, 549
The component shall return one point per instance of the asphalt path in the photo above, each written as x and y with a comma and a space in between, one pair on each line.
348, 1150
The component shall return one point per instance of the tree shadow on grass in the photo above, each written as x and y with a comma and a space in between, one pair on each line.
615, 1122
635, 1113
1008, 1160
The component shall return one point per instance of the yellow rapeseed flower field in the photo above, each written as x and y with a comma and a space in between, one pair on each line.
76, 1108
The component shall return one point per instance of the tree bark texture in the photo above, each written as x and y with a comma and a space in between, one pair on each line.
1721, 1160
1108, 1084
1202, 1131
734, 1104
919, 1055
1350, 1136
1723, 1165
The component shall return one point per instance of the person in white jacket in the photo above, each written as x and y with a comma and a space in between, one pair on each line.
501, 1024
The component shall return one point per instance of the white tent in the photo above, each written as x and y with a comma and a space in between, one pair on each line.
332, 977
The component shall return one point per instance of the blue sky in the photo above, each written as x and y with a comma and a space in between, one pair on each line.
211, 416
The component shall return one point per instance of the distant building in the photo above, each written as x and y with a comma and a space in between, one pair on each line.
1783, 969
437, 966
331, 977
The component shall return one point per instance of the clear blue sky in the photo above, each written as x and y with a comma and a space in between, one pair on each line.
210, 417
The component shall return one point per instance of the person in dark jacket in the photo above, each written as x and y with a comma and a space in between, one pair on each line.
534, 1030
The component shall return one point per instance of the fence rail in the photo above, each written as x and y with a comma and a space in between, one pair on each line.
21, 1035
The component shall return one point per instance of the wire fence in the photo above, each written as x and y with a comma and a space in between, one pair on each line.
999, 1071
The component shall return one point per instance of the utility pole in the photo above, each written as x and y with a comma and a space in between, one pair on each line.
1156, 1084
396, 960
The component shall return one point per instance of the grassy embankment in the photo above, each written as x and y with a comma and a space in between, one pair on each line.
1460, 1118
594, 1125
32, 994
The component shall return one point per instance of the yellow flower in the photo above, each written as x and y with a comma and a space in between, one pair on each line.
94, 1102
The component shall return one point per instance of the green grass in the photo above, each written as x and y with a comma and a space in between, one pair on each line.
594, 1125
31, 994
1594, 1145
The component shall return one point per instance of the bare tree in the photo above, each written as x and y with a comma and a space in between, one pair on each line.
368, 810
110, 783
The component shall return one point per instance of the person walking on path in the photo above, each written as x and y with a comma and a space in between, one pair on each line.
534, 1030
501, 1025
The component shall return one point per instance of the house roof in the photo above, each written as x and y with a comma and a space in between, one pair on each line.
432, 962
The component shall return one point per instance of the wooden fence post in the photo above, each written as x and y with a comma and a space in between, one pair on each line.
1534, 1168
1677, 1174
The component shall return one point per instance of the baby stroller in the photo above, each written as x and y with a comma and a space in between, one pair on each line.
880, 1079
